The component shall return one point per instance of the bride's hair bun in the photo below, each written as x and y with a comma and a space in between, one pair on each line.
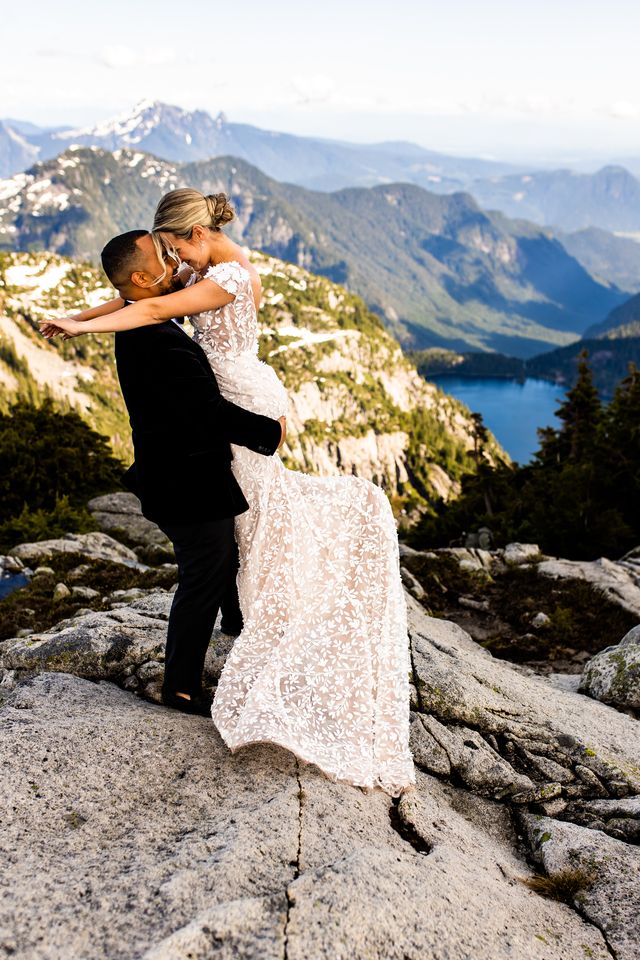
220, 210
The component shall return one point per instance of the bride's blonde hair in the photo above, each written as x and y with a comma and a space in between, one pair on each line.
179, 211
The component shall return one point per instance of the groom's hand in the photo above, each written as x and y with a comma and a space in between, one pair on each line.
283, 423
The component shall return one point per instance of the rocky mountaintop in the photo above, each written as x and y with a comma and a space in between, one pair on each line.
438, 269
357, 404
149, 838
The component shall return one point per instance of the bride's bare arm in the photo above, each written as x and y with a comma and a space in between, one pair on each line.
50, 328
105, 308
205, 295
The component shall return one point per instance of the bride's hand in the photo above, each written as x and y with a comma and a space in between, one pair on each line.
65, 325
283, 423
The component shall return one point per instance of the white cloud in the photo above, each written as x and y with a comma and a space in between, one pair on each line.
120, 57
116, 57
316, 88
624, 110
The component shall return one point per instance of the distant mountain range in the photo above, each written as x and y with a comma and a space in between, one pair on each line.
613, 259
438, 269
562, 199
609, 199
611, 345
608, 358
174, 134
623, 322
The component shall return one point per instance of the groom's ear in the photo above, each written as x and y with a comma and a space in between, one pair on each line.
141, 279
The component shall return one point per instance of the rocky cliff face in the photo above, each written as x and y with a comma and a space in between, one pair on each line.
357, 404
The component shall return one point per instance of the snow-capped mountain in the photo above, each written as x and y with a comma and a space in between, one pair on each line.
157, 128
175, 134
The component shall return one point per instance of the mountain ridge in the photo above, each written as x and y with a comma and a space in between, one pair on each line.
439, 269
179, 135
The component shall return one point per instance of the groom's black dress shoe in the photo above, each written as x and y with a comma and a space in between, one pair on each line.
199, 703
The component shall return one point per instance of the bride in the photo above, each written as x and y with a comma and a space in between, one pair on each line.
322, 664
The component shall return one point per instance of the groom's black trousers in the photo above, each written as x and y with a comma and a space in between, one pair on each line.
207, 557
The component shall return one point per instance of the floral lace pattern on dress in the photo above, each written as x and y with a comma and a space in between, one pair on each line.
322, 664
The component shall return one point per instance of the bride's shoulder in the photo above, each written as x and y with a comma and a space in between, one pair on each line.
230, 275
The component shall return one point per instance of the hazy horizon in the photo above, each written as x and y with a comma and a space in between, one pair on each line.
553, 84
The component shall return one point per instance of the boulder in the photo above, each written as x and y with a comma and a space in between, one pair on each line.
469, 558
120, 515
125, 644
93, 546
84, 593
610, 897
518, 553
412, 583
61, 592
10, 566
540, 620
616, 582
98, 646
613, 675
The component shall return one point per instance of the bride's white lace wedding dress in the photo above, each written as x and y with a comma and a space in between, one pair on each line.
322, 664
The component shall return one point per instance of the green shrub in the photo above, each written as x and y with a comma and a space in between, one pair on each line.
50, 460
32, 525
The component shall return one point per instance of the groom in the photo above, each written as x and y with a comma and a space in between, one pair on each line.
181, 428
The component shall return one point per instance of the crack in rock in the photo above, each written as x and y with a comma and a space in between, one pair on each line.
407, 830
296, 865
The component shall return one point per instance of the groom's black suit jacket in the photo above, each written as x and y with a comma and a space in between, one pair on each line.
182, 427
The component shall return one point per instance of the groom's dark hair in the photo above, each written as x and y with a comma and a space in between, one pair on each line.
120, 255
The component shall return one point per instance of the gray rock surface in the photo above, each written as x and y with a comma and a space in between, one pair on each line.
519, 553
612, 900
10, 565
148, 838
613, 675
124, 644
618, 583
120, 514
94, 546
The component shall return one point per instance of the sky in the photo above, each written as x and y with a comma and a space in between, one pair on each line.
550, 80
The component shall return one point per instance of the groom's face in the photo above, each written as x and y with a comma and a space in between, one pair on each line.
143, 281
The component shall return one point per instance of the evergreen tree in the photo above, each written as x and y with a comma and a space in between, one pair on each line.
46, 456
579, 498
621, 448
581, 416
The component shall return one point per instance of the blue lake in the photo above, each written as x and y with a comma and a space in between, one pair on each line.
512, 411
13, 582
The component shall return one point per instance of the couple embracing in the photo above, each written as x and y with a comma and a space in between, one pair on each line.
321, 662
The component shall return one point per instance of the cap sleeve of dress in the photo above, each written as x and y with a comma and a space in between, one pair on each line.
230, 276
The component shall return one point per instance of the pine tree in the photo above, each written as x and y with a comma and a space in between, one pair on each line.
581, 416
621, 449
